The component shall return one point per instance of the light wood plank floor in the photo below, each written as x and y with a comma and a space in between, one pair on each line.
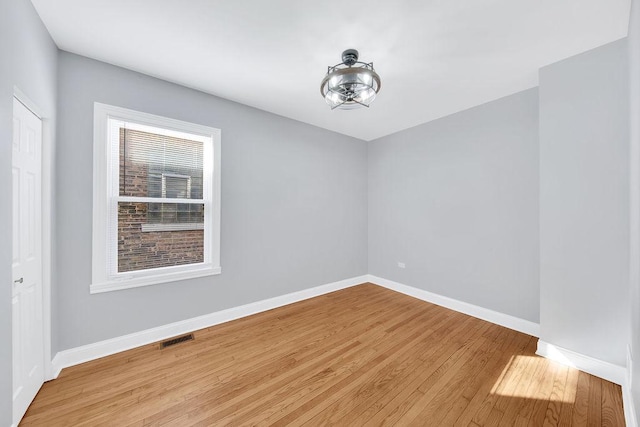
360, 356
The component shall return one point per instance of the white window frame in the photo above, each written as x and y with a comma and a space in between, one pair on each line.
108, 120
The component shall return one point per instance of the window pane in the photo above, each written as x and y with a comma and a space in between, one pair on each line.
151, 235
154, 165
170, 213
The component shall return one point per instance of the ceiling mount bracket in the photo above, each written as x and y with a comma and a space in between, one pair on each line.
350, 57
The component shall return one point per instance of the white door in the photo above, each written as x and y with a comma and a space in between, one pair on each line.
28, 342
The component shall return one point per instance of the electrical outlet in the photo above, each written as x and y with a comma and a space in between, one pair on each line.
401, 265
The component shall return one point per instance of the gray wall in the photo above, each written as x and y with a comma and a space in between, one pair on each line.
456, 200
634, 110
584, 203
28, 60
294, 210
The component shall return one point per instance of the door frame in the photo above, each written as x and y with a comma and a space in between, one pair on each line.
47, 177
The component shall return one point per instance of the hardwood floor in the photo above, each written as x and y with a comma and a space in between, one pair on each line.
360, 356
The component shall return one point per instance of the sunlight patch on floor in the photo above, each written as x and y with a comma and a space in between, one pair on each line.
516, 381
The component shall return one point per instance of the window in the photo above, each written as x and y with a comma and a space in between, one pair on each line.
156, 199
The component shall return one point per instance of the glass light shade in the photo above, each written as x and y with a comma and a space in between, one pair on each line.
350, 87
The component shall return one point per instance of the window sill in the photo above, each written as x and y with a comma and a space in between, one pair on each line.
146, 228
128, 282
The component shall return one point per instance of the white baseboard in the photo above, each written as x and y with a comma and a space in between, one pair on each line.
501, 319
608, 371
629, 406
627, 395
605, 370
100, 349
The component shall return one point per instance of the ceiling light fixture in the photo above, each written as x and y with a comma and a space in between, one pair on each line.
350, 84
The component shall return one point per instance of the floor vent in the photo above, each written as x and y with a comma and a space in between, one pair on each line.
177, 340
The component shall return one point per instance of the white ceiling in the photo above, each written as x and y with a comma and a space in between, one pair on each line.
435, 57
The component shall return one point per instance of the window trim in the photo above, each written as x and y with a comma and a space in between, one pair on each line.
104, 210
